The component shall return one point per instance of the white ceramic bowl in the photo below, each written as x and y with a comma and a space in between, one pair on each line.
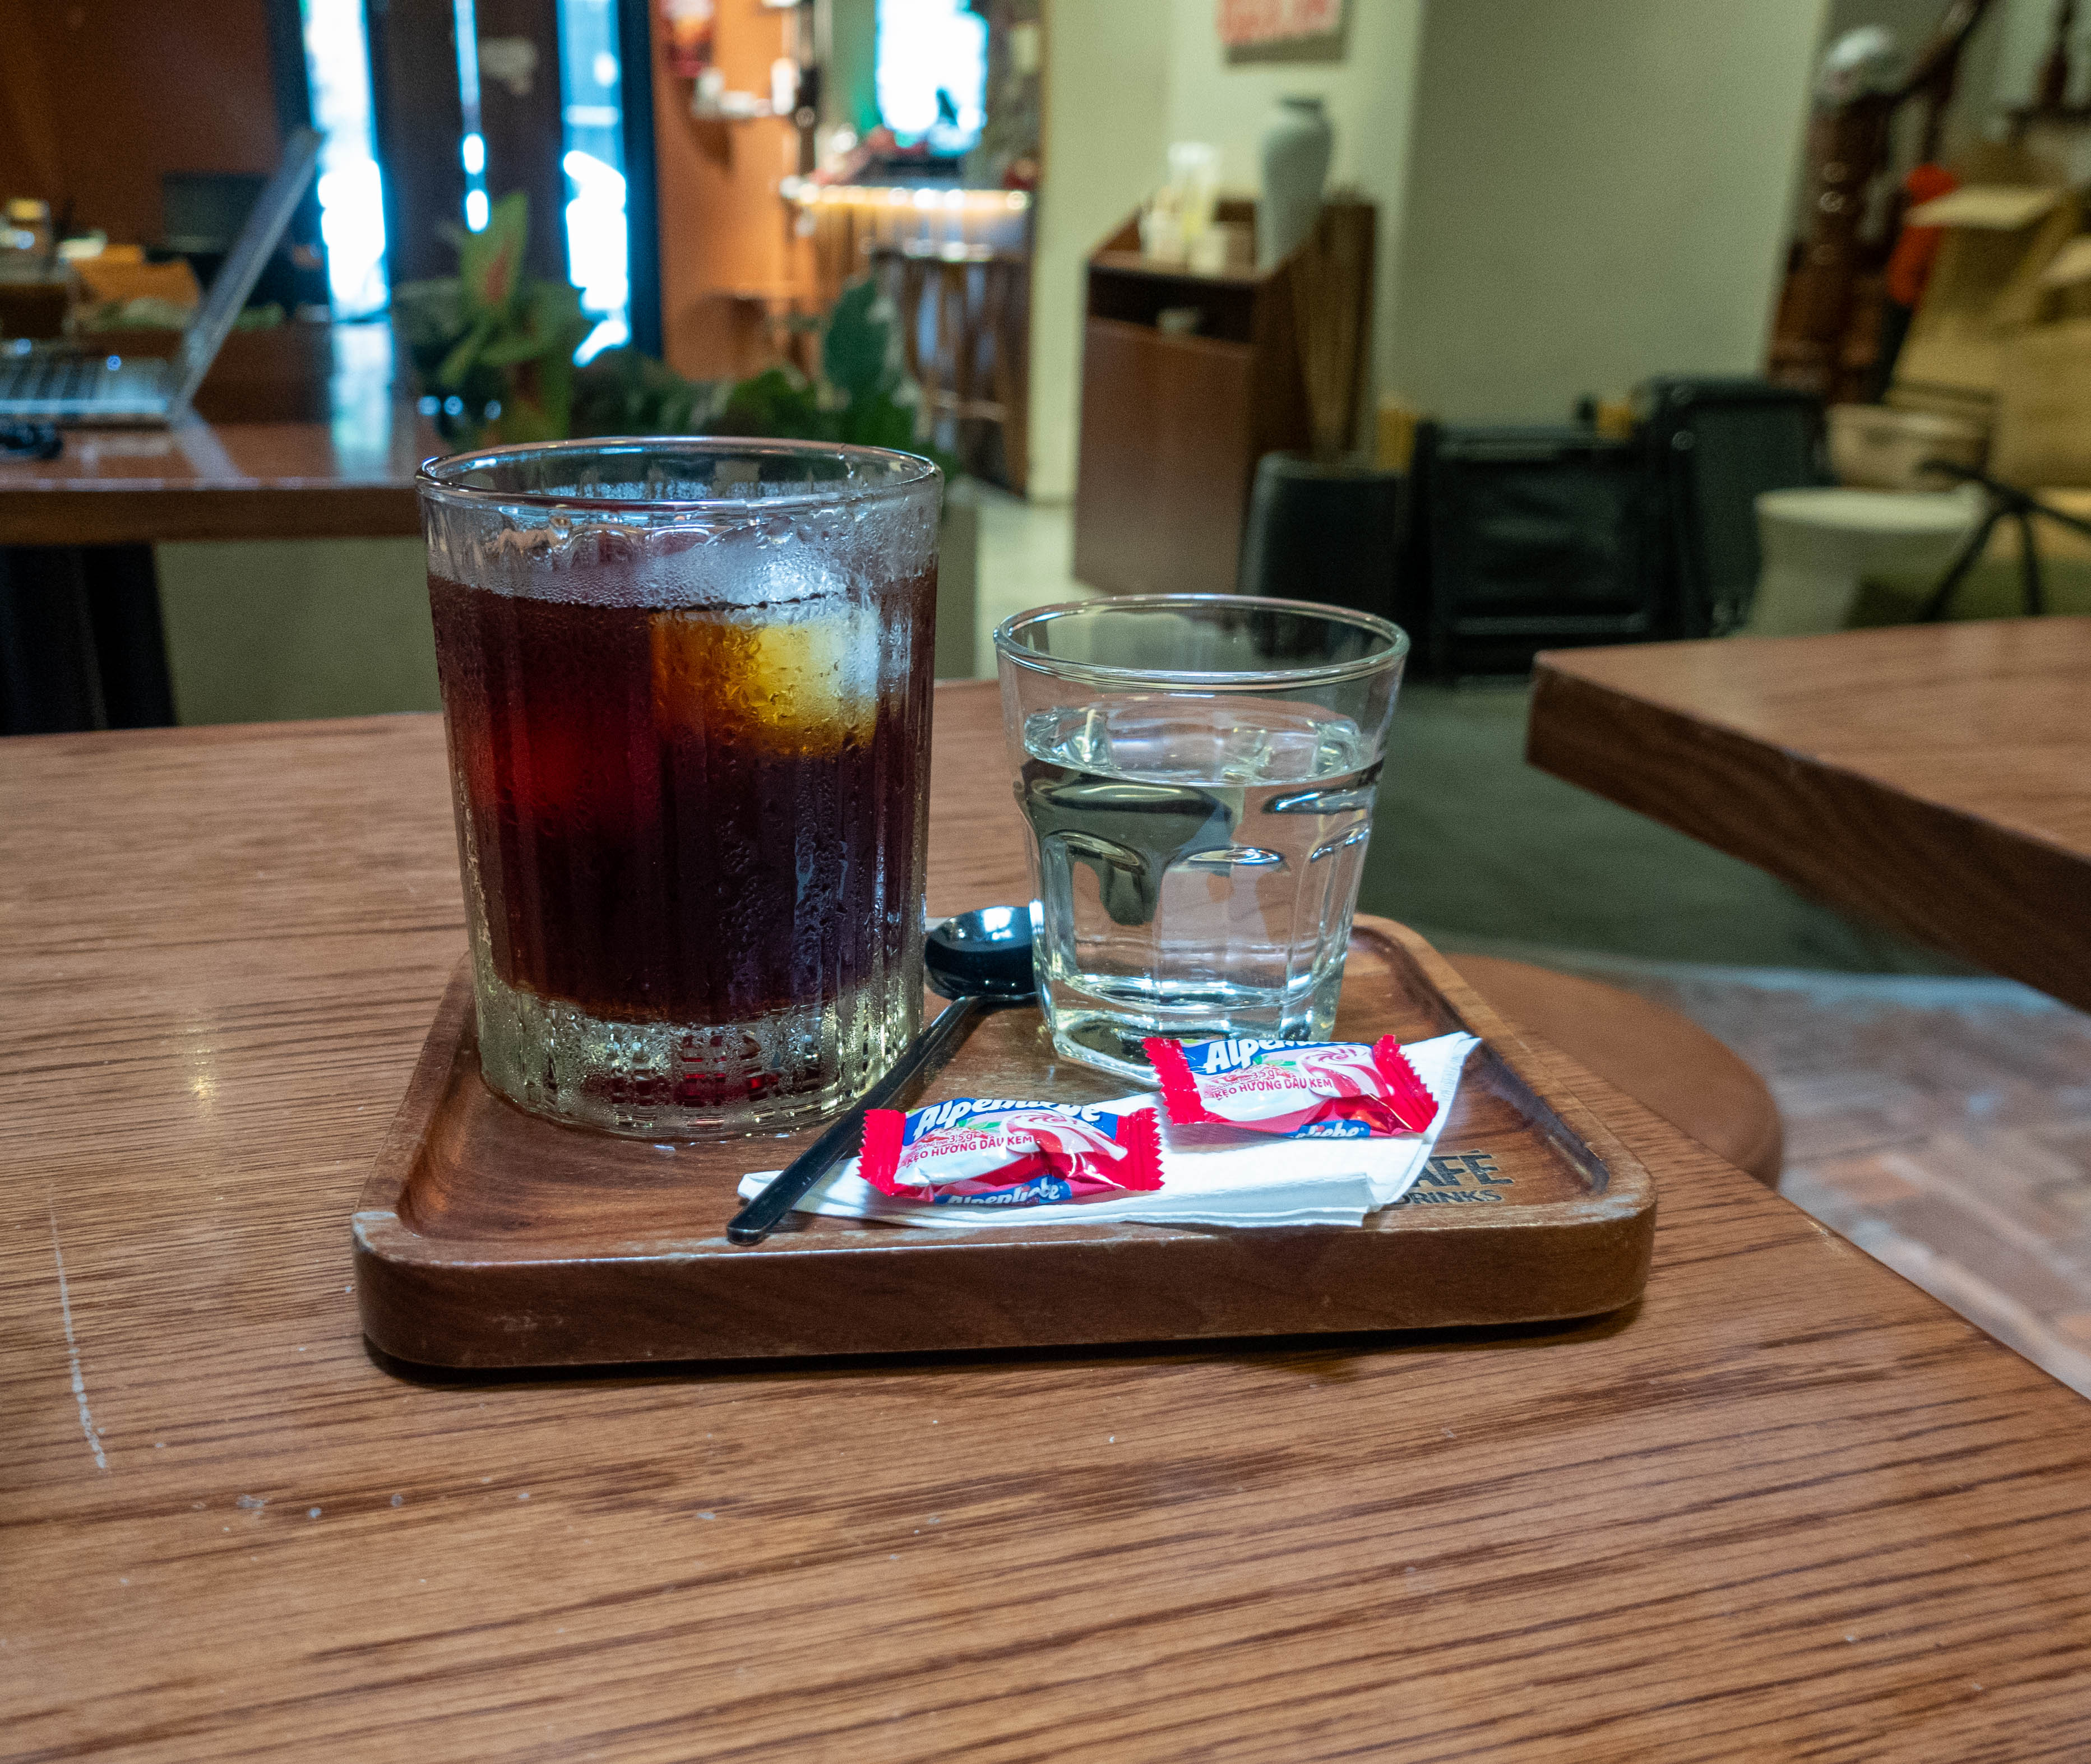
1874, 446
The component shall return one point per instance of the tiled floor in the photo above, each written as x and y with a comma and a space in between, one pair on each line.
1942, 1125
1026, 554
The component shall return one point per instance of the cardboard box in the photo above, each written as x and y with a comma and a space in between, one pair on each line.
1985, 284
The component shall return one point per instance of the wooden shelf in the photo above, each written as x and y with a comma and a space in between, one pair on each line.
1139, 264
1173, 423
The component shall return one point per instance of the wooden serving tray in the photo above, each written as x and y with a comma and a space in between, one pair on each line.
486, 1237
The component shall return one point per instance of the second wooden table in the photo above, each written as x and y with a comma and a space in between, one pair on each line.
1937, 778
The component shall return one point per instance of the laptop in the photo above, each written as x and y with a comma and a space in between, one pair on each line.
71, 388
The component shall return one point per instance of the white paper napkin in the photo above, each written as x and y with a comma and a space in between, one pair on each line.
1209, 1175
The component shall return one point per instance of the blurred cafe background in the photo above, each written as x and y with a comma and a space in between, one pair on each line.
1532, 324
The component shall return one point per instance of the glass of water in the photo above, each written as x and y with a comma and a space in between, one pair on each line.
1198, 772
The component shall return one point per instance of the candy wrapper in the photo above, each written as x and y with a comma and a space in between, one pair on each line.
985, 1151
1211, 1175
1295, 1089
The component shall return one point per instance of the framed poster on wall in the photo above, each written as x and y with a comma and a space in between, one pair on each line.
1282, 30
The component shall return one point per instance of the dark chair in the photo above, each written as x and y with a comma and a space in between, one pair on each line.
1322, 531
1710, 448
80, 643
1517, 540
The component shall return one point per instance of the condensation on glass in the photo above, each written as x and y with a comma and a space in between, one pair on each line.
687, 689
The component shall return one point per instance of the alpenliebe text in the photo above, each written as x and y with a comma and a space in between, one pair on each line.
1295, 1089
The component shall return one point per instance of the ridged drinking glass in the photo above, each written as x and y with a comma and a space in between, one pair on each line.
686, 684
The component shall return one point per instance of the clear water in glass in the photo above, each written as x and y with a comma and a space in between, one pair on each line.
1198, 862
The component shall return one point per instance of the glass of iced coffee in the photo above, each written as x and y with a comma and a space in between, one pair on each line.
686, 683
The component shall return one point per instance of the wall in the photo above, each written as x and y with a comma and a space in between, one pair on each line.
98, 97
1573, 196
1368, 96
2024, 35
260, 630
1596, 193
727, 248
1106, 80
849, 100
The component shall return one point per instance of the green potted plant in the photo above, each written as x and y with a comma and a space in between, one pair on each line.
862, 395
501, 343
494, 344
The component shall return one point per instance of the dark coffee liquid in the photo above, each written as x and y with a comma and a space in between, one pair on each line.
683, 816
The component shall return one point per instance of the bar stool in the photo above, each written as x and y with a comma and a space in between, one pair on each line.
964, 326
1665, 1062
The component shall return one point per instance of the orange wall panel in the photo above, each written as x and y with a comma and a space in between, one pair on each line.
98, 97
727, 246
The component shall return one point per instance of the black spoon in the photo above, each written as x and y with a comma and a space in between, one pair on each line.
982, 962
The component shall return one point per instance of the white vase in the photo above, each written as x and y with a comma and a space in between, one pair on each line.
1296, 145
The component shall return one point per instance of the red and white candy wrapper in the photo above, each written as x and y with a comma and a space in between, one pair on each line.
1296, 1089
987, 1151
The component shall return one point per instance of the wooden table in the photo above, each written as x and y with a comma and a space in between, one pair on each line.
80, 639
1787, 1507
350, 477
1935, 777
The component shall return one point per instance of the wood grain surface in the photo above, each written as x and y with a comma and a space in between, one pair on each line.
1786, 1507
1168, 444
352, 477
486, 1237
1937, 778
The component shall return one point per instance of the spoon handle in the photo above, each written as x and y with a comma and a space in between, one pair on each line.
922, 1060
